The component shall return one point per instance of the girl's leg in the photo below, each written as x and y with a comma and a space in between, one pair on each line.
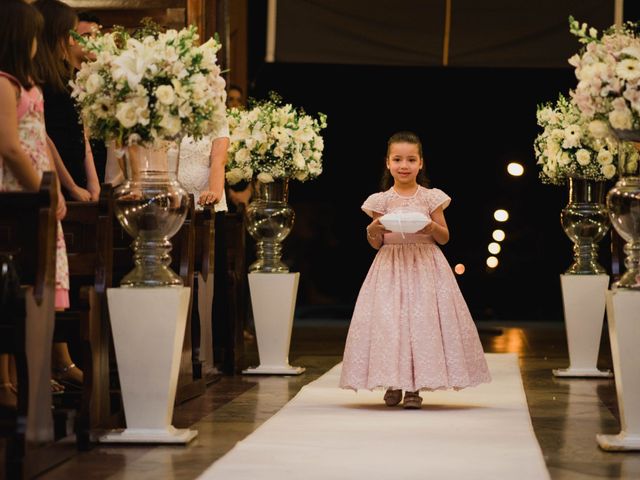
8, 396
64, 370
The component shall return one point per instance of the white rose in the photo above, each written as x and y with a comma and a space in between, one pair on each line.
598, 129
608, 171
126, 114
583, 157
94, 83
315, 168
265, 177
171, 124
242, 156
235, 175
298, 161
301, 175
165, 94
605, 157
620, 119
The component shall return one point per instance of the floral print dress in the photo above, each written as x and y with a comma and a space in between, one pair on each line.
411, 328
33, 138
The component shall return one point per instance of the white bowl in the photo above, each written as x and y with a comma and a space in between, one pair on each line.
404, 222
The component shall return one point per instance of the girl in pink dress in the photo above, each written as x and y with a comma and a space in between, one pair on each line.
25, 155
411, 329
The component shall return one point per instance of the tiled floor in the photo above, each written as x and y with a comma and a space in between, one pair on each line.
566, 414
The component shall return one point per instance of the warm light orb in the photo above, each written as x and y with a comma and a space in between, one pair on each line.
515, 169
494, 248
459, 269
501, 215
498, 235
492, 262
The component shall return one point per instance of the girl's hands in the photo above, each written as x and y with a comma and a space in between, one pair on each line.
80, 194
61, 210
429, 228
94, 190
209, 198
375, 229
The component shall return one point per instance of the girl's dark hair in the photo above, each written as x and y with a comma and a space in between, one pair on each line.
51, 66
20, 25
403, 137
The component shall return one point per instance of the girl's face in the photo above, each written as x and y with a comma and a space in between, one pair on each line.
404, 163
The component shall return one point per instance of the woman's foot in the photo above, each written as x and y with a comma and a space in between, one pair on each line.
69, 376
392, 397
412, 400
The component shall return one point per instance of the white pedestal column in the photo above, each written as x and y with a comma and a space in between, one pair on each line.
584, 302
148, 327
623, 313
273, 298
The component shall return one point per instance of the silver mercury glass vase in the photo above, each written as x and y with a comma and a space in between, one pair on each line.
623, 202
151, 206
269, 221
585, 222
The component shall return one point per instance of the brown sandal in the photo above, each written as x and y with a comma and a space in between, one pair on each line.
63, 376
392, 397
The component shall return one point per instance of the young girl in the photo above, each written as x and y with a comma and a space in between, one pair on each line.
24, 154
411, 329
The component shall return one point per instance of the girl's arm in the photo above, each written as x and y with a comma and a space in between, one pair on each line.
61, 211
216, 175
93, 184
11, 150
375, 232
437, 228
66, 180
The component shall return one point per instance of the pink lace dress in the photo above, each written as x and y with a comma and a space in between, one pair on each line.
411, 328
32, 133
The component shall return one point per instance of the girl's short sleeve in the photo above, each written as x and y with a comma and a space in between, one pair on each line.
375, 203
437, 198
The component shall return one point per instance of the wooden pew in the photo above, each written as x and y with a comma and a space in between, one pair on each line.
88, 230
28, 233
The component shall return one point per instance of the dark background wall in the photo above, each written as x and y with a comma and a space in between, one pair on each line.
473, 122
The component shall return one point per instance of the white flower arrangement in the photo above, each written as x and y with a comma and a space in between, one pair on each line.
608, 73
150, 86
272, 141
572, 146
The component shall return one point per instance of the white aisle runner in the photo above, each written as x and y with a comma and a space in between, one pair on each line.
329, 434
